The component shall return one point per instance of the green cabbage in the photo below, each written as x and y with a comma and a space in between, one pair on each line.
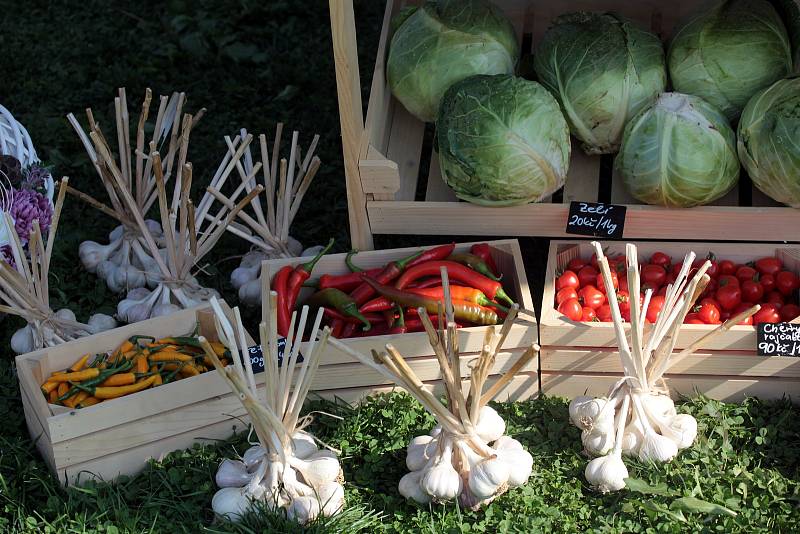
442, 43
502, 141
728, 53
769, 140
603, 70
678, 153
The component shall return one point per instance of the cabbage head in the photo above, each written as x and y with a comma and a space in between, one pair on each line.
443, 42
726, 54
603, 70
769, 140
502, 141
678, 153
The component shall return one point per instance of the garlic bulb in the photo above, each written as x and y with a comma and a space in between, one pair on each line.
657, 448
420, 451
92, 254
521, 463
442, 481
231, 503
100, 322
606, 473
597, 442
587, 413
232, 474
489, 477
317, 469
303, 509
331, 496
253, 456
250, 292
632, 437
409, 487
685, 427
507, 443
303, 444
23, 341
660, 404
490, 425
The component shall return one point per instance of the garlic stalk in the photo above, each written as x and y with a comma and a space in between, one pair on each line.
286, 469
267, 221
639, 417
467, 456
25, 290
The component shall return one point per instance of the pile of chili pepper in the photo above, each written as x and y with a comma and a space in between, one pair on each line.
141, 362
385, 300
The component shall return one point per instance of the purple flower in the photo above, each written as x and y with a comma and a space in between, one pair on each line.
27, 207
35, 177
7, 256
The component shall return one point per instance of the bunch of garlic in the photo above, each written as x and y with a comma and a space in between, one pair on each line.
638, 417
286, 469
125, 263
475, 468
58, 327
141, 303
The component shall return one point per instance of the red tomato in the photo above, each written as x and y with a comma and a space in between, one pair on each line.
566, 293
623, 300
789, 312
727, 267
588, 315
601, 285
767, 314
727, 279
659, 258
623, 283
786, 282
729, 296
713, 269
775, 298
767, 282
654, 308
768, 265
576, 264
710, 300
692, 318
662, 292
746, 273
711, 288
752, 291
708, 313
572, 309
654, 276
591, 297
739, 309
568, 279
587, 275
604, 313
724, 316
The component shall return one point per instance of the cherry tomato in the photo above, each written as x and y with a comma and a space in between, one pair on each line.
659, 258
729, 296
739, 309
591, 297
708, 313
692, 318
767, 281
662, 292
710, 300
724, 316
568, 279
587, 275
769, 265
604, 313
654, 276
601, 285
727, 267
727, 279
654, 308
623, 283
711, 288
786, 282
624, 301
789, 312
767, 314
566, 293
713, 269
572, 309
576, 264
752, 291
588, 315
746, 273
775, 298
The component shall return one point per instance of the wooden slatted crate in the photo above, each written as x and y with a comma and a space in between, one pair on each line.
119, 436
580, 357
386, 154
342, 376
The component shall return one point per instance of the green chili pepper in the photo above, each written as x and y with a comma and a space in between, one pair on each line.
341, 301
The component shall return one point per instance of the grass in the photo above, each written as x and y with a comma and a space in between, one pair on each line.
252, 63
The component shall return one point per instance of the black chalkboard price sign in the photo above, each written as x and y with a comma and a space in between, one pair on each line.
778, 339
257, 355
596, 219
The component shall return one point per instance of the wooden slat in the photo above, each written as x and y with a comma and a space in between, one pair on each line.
761, 199
582, 178
437, 190
549, 220
405, 148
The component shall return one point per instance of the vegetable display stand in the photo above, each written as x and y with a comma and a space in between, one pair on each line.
120, 435
386, 153
580, 357
341, 376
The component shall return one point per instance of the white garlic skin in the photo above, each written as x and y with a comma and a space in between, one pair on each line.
303, 444
441, 481
606, 473
22, 341
597, 442
488, 477
317, 469
303, 509
250, 292
420, 451
232, 474
241, 275
331, 497
410, 488
660, 404
632, 437
100, 322
657, 448
684, 426
520, 462
92, 254
507, 443
231, 503
584, 412
490, 425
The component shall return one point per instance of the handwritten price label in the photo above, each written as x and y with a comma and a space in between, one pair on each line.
596, 219
257, 355
778, 339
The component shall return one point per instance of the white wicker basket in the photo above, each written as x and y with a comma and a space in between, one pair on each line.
14, 139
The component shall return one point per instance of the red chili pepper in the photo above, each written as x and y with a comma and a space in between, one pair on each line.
336, 328
392, 270
345, 282
425, 283
468, 311
433, 254
455, 271
475, 263
378, 304
279, 285
399, 325
373, 318
484, 252
468, 294
301, 274
348, 330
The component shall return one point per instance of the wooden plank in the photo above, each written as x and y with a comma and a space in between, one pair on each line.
378, 121
405, 148
583, 177
549, 220
720, 388
37, 430
759, 198
381, 178
619, 193
437, 190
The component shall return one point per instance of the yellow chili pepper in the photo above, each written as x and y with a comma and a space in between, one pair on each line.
141, 363
78, 376
115, 392
89, 401
50, 386
163, 356
63, 387
80, 364
119, 379
75, 399
52, 397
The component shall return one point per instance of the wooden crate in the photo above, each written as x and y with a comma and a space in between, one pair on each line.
119, 436
578, 357
342, 376
384, 154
